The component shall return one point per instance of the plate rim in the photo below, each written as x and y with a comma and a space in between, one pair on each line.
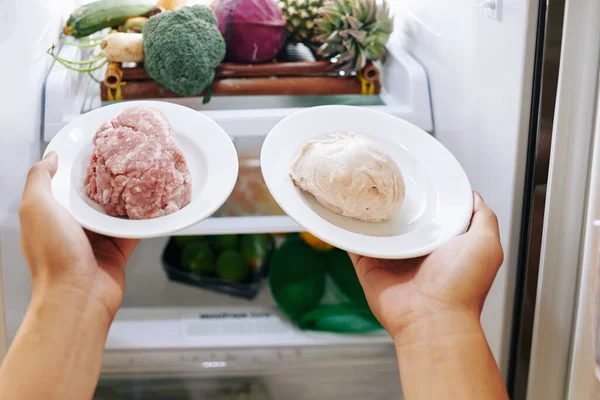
419, 251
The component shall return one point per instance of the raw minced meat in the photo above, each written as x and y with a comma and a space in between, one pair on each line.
137, 169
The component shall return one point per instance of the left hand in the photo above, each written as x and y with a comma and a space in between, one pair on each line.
63, 257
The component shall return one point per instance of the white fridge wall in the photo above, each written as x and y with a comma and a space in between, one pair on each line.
480, 74
20, 126
21, 103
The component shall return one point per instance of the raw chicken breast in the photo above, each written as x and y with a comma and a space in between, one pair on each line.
137, 169
351, 176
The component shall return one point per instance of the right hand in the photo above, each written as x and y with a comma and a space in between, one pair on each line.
453, 281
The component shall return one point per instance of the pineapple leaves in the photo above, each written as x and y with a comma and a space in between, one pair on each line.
352, 31
358, 35
354, 23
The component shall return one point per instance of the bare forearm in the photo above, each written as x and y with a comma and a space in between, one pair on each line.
57, 353
448, 358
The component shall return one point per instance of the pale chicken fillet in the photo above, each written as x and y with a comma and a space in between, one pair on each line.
351, 176
137, 169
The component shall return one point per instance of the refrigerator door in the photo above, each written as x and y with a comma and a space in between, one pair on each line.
480, 71
562, 326
584, 377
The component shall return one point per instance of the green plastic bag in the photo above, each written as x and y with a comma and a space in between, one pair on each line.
319, 290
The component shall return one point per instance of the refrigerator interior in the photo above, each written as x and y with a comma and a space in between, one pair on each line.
454, 69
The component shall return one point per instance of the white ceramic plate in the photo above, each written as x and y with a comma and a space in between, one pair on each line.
438, 204
209, 152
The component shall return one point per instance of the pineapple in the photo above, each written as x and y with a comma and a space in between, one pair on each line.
352, 32
299, 16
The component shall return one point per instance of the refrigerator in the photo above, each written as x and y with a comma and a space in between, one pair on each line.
508, 86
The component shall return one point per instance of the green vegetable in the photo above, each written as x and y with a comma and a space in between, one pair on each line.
341, 318
101, 14
181, 241
255, 249
225, 242
231, 266
339, 267
198, 258
182, 49
296, 277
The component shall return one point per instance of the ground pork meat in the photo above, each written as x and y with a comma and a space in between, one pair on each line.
137, 169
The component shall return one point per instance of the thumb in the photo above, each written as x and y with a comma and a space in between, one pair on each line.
40, 175
483, 219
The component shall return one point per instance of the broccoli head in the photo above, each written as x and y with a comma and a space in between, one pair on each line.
182, 48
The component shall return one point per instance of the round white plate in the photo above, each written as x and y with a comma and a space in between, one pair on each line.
439, 200
208, 150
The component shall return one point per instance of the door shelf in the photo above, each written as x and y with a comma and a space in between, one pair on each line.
228, 225
405, 93
221, 327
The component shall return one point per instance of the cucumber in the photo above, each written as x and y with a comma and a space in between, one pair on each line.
101, 14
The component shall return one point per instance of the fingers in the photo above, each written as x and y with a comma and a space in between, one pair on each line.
40, 175
483, 220
126, 246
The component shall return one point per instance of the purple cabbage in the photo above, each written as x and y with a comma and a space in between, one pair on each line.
253, 29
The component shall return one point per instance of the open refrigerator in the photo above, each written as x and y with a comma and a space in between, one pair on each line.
508, 86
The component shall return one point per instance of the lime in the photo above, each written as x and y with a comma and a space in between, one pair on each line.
181, 241
198, 258
225, 242
255, 249
231, 266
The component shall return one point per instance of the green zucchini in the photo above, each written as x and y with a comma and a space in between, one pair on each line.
101, 14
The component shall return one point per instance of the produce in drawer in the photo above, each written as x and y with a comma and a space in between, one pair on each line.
232, 267
231, 264
319, 290
198, 258
137, 169
351, 176
225, 242
253, 30
250, 195
296, 277
256, 249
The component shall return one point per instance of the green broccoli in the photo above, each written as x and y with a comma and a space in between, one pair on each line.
182, 49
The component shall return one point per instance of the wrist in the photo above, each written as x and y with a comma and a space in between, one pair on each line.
66, 301
437, 328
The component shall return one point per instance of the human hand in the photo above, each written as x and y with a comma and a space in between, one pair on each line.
453, 280
64, 259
